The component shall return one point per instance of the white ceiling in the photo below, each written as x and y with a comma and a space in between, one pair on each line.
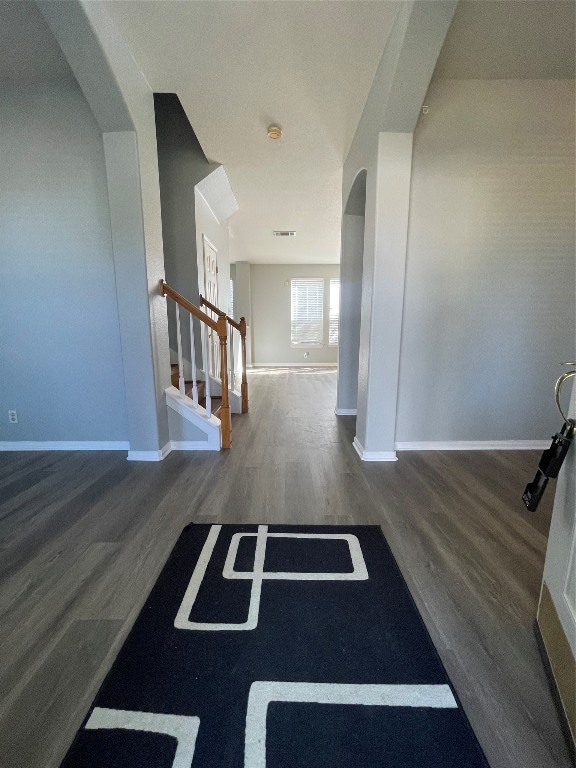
240, 66
308, 66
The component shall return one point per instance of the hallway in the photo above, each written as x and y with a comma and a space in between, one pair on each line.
84, 536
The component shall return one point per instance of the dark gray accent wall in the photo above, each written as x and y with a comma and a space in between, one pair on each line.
181, 165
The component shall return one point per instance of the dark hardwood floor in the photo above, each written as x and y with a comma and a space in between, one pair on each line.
83, 537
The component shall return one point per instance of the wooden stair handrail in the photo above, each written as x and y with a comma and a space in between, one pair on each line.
241, 328
204, 302
165, 290
221, 329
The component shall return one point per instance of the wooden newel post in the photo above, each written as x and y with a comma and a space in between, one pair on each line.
244, 386
225, 418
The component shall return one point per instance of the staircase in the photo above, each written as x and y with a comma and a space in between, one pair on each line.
206, 401
201, 387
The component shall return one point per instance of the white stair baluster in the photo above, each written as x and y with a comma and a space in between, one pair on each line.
193, 360
206, 366
181, 385
231, 347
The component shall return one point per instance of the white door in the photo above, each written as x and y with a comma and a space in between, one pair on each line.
211, 293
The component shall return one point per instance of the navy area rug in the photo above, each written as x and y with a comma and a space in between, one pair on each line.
277, 647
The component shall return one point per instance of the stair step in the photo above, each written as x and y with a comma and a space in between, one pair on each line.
216, 401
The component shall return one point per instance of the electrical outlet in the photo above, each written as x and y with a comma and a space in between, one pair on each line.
13, 417
306, 354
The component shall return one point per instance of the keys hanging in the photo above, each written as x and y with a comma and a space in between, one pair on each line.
553, 457
549, 466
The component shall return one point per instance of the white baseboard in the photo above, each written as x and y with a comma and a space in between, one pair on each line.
475, 445
65, 445
150, 455
345, 411
174, 445
373, 455
295, 365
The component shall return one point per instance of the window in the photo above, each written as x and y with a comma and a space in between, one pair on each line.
334, 314
307, 311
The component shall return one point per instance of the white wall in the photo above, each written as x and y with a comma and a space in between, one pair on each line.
270, 290
489, 303
208, 225
60, 353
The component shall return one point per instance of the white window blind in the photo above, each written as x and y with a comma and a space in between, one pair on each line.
307, 311
334, 315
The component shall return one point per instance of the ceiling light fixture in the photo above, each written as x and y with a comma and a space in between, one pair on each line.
274, 132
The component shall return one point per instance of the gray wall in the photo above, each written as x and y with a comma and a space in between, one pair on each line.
489, 303
123, 105
351, 268
60, 356
350, 304
270, 290
382, 146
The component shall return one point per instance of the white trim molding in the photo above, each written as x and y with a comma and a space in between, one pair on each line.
373, 455
194, 445
295, 365
65, 445
475, 445
345, 411
182, 404
175, 445
150, 455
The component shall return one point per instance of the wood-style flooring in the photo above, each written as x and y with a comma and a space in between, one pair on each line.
84, 535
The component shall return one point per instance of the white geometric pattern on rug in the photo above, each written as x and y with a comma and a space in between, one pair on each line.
182, 728
262, 693
258, 575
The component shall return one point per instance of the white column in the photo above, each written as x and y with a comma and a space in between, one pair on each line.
385, 242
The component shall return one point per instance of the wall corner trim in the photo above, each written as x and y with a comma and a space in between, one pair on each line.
373, 455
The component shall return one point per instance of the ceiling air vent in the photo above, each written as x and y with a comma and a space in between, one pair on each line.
284, 233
